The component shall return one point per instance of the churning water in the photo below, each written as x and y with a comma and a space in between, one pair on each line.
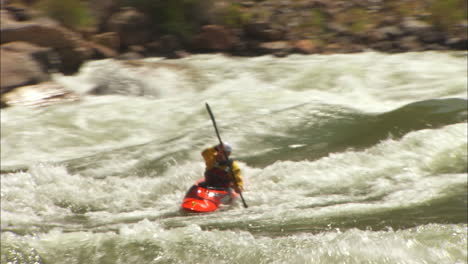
356, 158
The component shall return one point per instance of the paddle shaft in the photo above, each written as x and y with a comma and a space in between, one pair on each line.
224, 152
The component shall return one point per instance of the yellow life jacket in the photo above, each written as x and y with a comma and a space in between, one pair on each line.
221, 174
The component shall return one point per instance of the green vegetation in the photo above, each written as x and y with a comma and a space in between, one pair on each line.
362, 20
442, 14
234, 16
170, 17
446, 13
357, 20
407, 8
317, 20
183, 18
71, 13
177, 17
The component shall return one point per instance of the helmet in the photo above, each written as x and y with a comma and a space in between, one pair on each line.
227, 147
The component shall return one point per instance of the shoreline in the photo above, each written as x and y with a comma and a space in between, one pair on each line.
52, 92
33, 45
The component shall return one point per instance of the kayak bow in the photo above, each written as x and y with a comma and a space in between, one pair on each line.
202, 199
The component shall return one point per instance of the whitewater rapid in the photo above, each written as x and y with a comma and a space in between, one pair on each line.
347, 158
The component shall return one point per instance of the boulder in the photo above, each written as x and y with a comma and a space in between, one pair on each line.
107, 39
19, 13
305, 46
458, 43
413, 26
389, 33
170, 43
129, 55
333, 48
6, 17
102, 10
264, 31
277, 48
386, 46
274, 45
214, 38
42, 94
72, 50
422, 30
100, 51
165, 46
410, 43
19, 69
131, 25
46, 57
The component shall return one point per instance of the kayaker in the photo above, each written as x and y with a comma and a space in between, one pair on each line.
219, 169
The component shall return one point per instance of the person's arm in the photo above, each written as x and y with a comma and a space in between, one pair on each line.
209, 155
238, 186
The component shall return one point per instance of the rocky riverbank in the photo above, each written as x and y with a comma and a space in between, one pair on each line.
33, 46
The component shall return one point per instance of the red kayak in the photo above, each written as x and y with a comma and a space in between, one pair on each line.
201, 198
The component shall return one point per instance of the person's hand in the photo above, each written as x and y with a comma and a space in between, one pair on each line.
237, 189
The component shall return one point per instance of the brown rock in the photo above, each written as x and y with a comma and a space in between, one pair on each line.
131, 25
170, 43
6, 17
130, 55
19, 13
166, 46
101, 51
137, 48
458, 43
19, 69
422, 30
46, 57
277, 48
305, 46
88, 33
389, 32
42, 94
333, 48
214, 38
413, 26
71, 49
274, 46
102, 10
385, 45
107, 39
410, 43
376, 35
181, 54
264, 31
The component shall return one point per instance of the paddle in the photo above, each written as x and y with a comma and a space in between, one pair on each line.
224, 152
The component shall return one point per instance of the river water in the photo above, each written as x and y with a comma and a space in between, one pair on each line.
358, 158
